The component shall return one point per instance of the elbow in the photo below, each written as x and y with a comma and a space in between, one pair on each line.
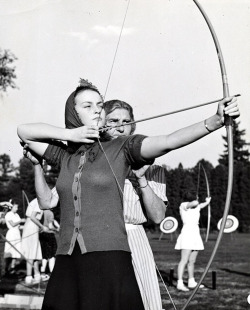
45, 204
43, 207
159, 216
21, 132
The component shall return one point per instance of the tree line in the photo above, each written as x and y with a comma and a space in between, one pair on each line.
17, 183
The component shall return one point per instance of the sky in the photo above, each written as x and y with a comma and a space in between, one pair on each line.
165, 60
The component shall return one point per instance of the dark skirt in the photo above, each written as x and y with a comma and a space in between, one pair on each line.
48, 244
96, 280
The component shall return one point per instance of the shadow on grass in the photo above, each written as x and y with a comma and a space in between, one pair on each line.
246, 274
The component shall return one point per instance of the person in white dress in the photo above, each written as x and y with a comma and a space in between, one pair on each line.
189, 240
13, 236
30, 241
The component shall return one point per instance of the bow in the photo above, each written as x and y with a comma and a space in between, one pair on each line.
228, 123
25, 197
209, 206
208, 195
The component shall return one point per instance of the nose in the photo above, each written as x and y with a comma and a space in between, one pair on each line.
97, 109
120, 127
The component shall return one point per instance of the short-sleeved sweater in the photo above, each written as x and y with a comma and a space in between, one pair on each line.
90, 200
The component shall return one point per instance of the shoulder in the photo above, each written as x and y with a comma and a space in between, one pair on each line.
8, 215
35, 206
127, 139
183, 206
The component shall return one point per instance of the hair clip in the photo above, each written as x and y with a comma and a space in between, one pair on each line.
86, 83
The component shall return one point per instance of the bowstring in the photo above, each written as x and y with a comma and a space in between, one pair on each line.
116, 50
100, 144
147, 245
114, 58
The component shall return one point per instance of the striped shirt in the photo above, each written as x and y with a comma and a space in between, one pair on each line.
142, 255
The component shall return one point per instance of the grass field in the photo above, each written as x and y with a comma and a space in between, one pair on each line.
231, 264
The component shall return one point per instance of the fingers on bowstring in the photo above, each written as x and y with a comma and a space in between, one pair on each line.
104, 128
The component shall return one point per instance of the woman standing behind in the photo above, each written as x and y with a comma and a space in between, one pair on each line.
13, 235
143, 197
189, 241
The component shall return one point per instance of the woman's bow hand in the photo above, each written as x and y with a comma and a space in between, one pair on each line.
208, 199
228, 106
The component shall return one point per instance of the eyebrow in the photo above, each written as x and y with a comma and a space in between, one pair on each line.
117, 119
91, 102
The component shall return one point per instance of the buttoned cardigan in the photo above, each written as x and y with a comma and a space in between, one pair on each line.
91, 198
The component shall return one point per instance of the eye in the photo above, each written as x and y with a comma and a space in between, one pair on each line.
127, 121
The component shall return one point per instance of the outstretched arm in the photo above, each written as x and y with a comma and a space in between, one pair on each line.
206, 203
153, 147
191, 204
154, 206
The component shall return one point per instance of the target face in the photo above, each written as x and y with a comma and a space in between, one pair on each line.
169, 225
231, 225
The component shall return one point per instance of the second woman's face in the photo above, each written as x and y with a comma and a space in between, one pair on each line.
119, 117
88, 105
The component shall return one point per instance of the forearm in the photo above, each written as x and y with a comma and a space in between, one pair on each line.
45, 197
14, 224
204, 204
36, 136
153, 147
155, 207
36, 221
41, 132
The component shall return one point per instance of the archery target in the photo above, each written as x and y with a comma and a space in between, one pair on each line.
169, 225
232, 224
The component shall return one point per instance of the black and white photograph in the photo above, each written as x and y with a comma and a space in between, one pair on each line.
124, 154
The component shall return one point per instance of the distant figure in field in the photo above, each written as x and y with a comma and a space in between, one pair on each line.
13, 235
189, 240
48, 243
30, 241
